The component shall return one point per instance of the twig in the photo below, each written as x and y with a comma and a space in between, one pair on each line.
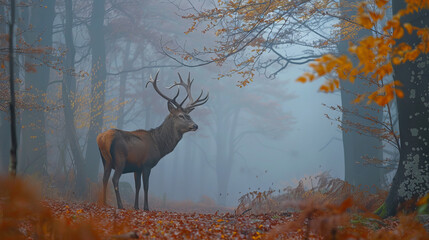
245, 211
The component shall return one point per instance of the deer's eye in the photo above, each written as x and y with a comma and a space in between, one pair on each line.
182, 116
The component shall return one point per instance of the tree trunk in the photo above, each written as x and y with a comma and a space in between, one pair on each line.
225, 144
411, 180
4, 122
123, 84
223, 175
4, 142
33, 147
357, 145
13, 157
69, 82
98, 80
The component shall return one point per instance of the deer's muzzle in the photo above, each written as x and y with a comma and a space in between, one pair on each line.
194, 127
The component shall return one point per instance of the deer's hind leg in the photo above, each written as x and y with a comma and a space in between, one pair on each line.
119, 159
107, 170
106, 176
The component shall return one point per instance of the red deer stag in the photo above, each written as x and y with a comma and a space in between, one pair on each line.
139, 151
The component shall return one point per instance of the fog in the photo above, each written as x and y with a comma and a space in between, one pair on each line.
225, 119
265, 136
310, 144
305, 142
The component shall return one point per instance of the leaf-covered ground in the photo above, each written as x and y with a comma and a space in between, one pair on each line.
296, 214
109, 221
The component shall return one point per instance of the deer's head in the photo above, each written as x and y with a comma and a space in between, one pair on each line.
179, 114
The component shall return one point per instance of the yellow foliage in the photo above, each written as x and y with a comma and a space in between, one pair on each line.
302, 79
375, 54
381, 3
254, 16
365, 21
409, 28
359, 98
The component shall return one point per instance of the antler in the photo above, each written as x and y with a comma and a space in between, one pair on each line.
191, 104
155, 86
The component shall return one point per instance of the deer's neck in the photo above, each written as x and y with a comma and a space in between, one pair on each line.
166, 136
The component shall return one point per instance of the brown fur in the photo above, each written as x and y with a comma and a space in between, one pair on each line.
139, 151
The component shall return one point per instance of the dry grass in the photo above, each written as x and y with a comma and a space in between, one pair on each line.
321, 189
22, 215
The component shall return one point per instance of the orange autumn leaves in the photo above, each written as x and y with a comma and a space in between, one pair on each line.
375, 54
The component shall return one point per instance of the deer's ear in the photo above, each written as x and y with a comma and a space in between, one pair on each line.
171, 107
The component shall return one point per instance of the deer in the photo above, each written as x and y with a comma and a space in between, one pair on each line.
141, 150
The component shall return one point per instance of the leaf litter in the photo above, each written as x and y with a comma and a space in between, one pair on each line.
24, 215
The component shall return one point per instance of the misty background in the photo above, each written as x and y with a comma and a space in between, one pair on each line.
267, 135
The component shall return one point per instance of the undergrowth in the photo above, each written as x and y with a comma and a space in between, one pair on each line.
331, 209
22, 216
321, 189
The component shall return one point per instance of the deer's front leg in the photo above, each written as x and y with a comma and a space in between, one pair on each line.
138, 181
146, 173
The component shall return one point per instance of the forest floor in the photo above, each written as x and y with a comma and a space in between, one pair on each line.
295, 214
94, 221
110, 221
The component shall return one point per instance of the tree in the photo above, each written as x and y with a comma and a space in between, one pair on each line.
5, 144
13, 157
25, 99
33, 146
239, 115
257, 35
355, 144
402, 50
412, 177
384, 129
98, 81
69, 84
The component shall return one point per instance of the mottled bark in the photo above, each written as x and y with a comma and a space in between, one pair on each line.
358, 146
98, 80
33, 146
411, 180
